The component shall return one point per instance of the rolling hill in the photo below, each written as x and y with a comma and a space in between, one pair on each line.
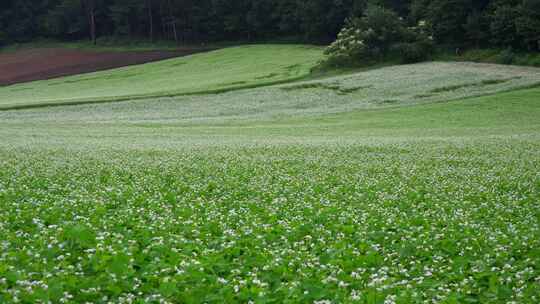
406, 184
221, 70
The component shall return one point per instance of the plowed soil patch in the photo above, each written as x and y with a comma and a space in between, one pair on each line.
47, 63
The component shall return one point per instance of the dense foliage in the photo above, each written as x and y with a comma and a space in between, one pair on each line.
402, 223
459, 24
376, 34
456, 23
183, 20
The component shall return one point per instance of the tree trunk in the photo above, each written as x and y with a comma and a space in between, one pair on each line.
151, 19
163, 23
93, 26
185, 27
174, 31
89, 7
173, 22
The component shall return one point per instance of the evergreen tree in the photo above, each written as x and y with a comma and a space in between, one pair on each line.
448, 18
503, 26
528, 24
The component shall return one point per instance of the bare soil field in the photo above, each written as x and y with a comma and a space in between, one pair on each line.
46, 63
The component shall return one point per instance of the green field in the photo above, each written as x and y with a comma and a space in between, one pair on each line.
378, 88
221, 70
407, 184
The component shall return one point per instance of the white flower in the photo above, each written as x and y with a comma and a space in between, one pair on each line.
390, 299
355, 295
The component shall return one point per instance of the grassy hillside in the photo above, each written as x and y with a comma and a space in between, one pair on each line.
394, 185
404, 204
507, 113
229, 68
380, 88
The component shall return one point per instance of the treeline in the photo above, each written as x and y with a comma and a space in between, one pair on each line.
181, 20
482, 23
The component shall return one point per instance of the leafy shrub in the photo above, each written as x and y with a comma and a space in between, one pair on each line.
530, 59
411, 52
376, 34
372, 35
417, 43
348, 46
507, 56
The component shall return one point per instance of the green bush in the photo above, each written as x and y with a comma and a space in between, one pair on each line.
530, 59
377, 34
348, 46
507, 56
411, 52
370, 36
417, 43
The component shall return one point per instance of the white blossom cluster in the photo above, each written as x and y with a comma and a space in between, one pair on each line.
426, 222
349, 43
170, 201
378, 88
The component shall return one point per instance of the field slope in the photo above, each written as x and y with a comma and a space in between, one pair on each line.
221, 70
309, 192
32, 64
380, 88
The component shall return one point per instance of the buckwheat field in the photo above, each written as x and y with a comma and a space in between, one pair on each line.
136, 203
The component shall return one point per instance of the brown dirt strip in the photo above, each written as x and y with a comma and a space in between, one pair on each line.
46, 63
